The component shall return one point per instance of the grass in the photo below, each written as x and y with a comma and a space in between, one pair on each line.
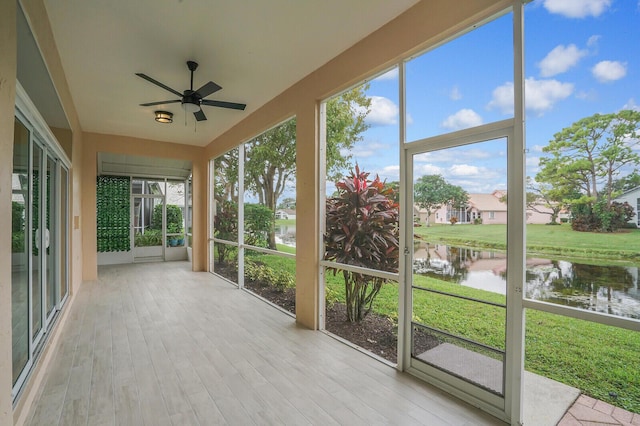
542, 240
595, 358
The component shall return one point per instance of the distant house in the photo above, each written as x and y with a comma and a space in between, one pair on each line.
481, 208
632, 197
286, 214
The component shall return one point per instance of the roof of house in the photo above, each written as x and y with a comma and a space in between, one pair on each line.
630, 191
487, 202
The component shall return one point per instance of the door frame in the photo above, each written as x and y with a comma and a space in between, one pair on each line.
501, 407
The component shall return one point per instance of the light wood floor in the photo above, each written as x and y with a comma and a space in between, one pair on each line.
157, 344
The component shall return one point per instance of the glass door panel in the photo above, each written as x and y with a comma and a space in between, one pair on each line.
50, 247
148, 243
64, 230
19, 251
37, 247
458, 282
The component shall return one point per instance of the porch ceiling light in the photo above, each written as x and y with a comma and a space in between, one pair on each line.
164, 117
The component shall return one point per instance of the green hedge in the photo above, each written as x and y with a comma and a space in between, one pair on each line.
113, 213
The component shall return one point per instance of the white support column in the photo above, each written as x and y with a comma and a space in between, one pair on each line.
241, 216
516, 232
406, 234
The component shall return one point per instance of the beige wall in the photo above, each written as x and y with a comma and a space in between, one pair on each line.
71, 142
65, 137
93, 143
8, 65
426, 24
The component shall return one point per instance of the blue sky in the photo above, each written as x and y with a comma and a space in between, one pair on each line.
582, 57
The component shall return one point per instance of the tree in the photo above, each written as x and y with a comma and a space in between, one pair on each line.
287, 203
362, 230
626, 183
270, 158
259, 222
543, 197
226, 177
590, 153
226, 228
585, 160
431, 192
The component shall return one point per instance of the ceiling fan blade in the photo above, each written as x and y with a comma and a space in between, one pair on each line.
160, 102
157, 83
223, 104
200, 115
208, 89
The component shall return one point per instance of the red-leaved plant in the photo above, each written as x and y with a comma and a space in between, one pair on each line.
362, 230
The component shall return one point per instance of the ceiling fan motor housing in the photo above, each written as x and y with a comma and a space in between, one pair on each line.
191, 101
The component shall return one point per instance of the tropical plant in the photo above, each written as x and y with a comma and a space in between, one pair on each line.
150, 238
362, 230
226, 228
174, 218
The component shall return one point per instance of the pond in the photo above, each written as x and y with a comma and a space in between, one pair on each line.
609, 289
286, 235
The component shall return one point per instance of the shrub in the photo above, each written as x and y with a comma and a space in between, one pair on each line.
362, 230
265, 275
600, 217
259, 221
174, 218
225, 227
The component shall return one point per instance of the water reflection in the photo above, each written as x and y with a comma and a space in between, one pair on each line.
286, 235
610, 289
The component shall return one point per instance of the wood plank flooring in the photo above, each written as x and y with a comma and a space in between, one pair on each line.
157, 344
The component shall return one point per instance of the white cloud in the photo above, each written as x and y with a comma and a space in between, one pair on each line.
577, 8
607, 71
392, 74
532, 162
409, 119
365, 149
593, 40
462, 119
632, 105
449, 156
383, 112
464, 170
390, 173
427, 169
540, 95
455, 94
537, 148
560, 59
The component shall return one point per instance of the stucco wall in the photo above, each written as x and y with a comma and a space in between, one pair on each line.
8, 64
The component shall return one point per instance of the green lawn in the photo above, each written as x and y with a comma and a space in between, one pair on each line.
542, 240
594, 358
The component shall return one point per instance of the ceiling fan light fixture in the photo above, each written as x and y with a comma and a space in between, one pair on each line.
190, 107
164, 117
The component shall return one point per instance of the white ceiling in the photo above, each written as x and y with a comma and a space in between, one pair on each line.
254, 49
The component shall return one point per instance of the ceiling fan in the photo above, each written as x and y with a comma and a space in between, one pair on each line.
192, 100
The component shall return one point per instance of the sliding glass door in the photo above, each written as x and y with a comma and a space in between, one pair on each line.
39, 242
